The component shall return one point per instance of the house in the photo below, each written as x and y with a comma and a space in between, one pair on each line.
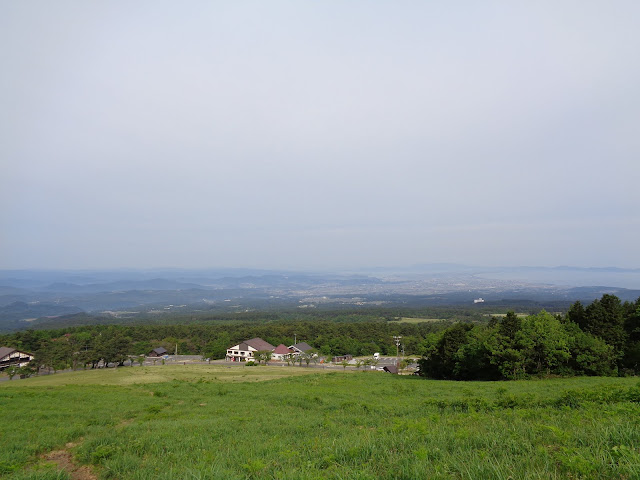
280, 352
300, 348
158, 352
245, 351
391, 369
341, 358
11, 357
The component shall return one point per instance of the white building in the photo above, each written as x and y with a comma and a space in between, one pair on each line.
281, 352
10, 357
244, 352
300, 348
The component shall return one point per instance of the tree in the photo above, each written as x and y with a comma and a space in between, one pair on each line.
404, 363
262, 356
12, 371
440, 359
217, 348
544, 342
27, 370
510, 325
310, 356
590, 355
478, 359
631, 358
604, 319
344, 363
577, 315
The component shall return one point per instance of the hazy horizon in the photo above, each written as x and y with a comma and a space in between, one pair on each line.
306, 135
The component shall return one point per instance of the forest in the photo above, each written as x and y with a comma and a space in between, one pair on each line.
602, 339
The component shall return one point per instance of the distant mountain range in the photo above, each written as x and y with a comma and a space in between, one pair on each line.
29, 294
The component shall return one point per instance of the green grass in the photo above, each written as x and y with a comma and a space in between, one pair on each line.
164, 373
195, 424
420, 320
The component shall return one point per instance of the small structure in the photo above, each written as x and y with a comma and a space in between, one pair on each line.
280, 352
244, 351
390, 369
11, 357
300, 348
341, 358
158, 352
479, 300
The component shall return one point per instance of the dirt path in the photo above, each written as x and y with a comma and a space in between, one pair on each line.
64, 460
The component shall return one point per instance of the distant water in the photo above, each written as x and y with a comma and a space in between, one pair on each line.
629, 280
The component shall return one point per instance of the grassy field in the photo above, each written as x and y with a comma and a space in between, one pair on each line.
165, 373
211, 422
420, 320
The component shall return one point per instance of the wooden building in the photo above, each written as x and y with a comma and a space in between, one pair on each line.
158, 352
11, 357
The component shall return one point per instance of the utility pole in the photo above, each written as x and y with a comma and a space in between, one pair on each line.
397, 339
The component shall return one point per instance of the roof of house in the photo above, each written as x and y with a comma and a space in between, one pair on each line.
4, 351
302, 346
159, 350
259, 344
391, 369
282, 349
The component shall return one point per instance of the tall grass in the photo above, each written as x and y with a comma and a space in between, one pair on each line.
364, 425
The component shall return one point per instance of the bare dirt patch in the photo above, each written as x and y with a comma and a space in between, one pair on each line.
64, 461
124, 423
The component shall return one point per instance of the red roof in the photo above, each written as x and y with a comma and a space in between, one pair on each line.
282, 349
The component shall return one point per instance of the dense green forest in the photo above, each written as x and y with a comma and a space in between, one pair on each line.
600, 339
325, 312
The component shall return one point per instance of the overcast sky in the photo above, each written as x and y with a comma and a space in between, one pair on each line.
308, 134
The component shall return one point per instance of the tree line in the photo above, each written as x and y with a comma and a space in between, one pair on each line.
602, 338
91, 346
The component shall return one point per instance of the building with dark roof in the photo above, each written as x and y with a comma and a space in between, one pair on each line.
244, 351
301, 347
12, 357
158, 352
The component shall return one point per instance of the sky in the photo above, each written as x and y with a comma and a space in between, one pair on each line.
319, 135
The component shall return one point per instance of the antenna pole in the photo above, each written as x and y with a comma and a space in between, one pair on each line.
397, 339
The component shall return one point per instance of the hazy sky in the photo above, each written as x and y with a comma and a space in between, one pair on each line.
307, 134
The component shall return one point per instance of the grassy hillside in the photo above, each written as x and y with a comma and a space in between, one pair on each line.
209, 422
